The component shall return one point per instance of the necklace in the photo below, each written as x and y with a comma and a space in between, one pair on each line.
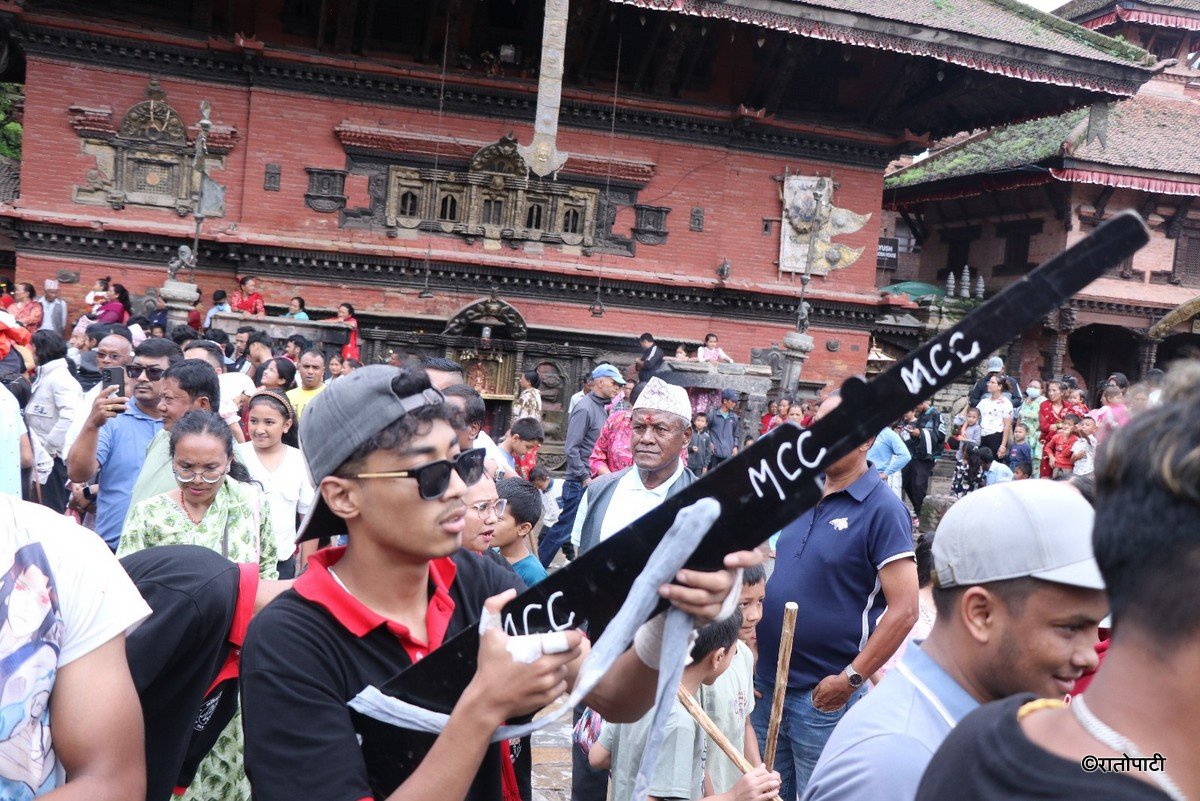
1118, 742
188, 514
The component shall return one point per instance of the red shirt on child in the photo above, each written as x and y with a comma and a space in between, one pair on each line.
1059, 448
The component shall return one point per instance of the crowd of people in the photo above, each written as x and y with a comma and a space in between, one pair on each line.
292, 528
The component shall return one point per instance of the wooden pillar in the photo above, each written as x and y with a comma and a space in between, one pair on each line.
1147, 354
1016, 350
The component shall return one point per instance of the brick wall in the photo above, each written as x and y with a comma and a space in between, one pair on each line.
737, 191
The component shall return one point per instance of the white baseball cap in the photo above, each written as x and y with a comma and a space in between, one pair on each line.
1035, 528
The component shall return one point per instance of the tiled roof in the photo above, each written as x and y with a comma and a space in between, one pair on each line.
1008, 21
1078, 8
1146, 132
1009, 147
1005, 37
10, 179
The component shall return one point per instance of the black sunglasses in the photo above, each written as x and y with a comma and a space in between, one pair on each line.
434, 478
153, 373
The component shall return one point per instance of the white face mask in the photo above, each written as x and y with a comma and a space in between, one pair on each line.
1033, 392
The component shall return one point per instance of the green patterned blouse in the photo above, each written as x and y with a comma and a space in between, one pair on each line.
237, 525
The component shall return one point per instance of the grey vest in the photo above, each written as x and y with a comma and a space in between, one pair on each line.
599, 496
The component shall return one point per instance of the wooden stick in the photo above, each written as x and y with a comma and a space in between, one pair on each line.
730, 750
781, 680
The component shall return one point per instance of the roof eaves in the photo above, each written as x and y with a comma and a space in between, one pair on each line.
1107, 73
1105, 44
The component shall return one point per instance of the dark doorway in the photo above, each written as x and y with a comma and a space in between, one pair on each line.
1175, 347
1097, 351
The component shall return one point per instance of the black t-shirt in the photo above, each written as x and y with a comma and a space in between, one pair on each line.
313, 649
988, 758
177, 654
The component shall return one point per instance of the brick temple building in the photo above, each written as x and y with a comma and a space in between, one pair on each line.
1005, 199
370, 156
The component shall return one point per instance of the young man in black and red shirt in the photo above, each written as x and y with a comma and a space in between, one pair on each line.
381, 446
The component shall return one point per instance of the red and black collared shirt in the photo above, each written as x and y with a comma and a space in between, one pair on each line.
316, 647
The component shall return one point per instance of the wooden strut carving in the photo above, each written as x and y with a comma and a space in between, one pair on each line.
760, 491
542, 154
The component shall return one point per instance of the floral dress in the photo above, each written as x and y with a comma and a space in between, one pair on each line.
528, 404
1030, 414
238, 526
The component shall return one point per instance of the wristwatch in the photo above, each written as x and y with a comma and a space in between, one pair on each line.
856, 678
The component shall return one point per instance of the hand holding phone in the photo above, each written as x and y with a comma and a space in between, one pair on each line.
113, 377
108, 405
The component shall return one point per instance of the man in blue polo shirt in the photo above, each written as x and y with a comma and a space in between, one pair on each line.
1018, 606
114, 439
843, 562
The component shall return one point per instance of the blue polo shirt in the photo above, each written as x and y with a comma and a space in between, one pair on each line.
881, 747
120, 451
828, 562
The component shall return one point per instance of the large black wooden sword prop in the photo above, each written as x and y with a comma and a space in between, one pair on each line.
760, 491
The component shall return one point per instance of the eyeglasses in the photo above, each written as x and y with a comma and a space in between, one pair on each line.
136, 370
207, 476
484, 508
434, 478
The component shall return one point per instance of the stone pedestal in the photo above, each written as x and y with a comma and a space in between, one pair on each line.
180, 297
796, 348
752, 381
933, 510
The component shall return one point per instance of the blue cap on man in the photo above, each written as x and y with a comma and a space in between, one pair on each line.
606, 370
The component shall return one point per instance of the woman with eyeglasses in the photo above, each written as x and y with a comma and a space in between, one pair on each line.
214, 505
484, 508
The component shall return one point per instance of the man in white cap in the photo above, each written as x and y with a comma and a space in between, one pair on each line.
661, 428
583, 427
1019, 597
54, 308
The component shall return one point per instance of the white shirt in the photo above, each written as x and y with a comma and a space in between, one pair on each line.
12, 428
232, 385
993, 413
52, 408
72, 597
85, 411
576, 398
630, 501
1087, 464
492, 450
288, 491
551, 503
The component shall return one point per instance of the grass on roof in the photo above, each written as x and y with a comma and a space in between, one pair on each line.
1006, 148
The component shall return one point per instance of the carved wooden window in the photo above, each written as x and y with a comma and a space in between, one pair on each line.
1017, 236
958, 252
448, 208
534, 215
146, 159
570, 223
1187, 260
494, 196
493, 212
408, 204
